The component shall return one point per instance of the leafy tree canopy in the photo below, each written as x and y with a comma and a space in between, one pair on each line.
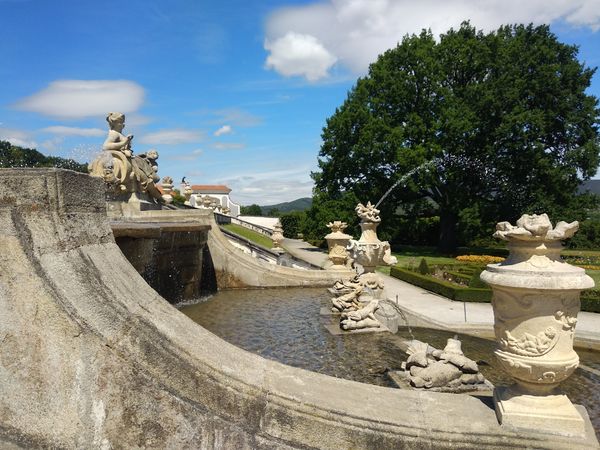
14, 156
499, 122
252, 210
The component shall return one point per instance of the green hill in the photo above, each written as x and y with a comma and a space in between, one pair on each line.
300, 204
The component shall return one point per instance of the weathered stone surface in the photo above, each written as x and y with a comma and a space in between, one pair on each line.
92, 357
235, 269
536, 301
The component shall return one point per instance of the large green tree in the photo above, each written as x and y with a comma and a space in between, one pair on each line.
500, 122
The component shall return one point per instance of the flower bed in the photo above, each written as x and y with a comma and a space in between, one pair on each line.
479, 259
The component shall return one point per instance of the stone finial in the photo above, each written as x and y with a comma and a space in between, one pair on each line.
535, 228
337, 226
277, 236
367, 213
167, 187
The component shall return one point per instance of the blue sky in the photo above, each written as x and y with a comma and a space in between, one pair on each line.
234, 92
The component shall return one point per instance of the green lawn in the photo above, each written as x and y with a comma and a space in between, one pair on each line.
595, 274
253, 236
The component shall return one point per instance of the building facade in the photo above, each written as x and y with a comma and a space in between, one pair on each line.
218, 192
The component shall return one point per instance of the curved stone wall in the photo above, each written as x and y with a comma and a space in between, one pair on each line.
92, 357
236, 269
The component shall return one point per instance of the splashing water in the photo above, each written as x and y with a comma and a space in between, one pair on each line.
406, 176
84, 153
440, 163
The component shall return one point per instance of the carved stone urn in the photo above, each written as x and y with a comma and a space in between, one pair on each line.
535, 302
337, 241
277, 237
369, 252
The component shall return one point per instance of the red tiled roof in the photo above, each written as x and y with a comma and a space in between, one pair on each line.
211, 188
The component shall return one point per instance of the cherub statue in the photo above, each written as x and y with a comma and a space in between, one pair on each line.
115, 140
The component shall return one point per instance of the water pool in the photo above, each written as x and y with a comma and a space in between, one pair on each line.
285, 325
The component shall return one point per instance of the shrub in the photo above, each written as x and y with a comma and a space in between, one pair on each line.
476, 281
423, 267
588, 235
292, 223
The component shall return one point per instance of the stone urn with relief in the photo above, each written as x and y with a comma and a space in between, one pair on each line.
536, 302
337, 241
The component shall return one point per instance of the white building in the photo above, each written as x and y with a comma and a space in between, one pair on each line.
219, 192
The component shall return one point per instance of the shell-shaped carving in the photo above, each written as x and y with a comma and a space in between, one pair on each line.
535, 227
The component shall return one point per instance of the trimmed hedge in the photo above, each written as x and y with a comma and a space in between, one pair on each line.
590, 300
444, 288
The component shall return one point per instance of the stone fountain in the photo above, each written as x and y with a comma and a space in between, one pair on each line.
535, 302
358, 299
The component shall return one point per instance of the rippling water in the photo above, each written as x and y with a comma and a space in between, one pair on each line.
284, 325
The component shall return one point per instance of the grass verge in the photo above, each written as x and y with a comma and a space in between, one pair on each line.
252, 236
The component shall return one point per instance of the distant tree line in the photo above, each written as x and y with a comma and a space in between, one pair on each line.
15, 156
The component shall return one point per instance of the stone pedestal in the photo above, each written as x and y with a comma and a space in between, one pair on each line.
535, 302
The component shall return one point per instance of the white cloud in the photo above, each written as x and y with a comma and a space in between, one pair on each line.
54, 145
299, 54
268, 188
135, 120
172, 137
356, 31
225, 129
228, 145
75, 99
73, 131
17, 137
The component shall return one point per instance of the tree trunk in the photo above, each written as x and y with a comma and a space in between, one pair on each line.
448, 238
